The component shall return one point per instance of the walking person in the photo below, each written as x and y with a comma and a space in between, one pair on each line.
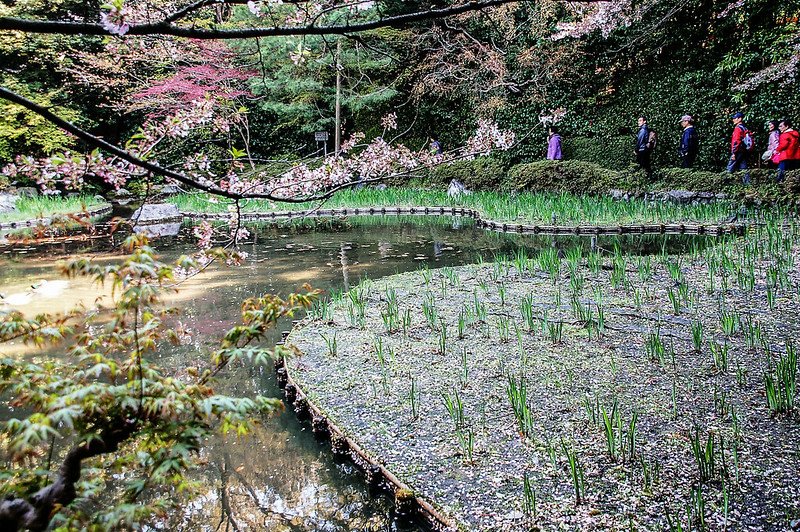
773, 134
645, 142
787, 154
553, 144
690, 143
741, 144
435, 145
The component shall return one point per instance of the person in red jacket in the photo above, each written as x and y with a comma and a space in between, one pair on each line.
787, 154
739, 147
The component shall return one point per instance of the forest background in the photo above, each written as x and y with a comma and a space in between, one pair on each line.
527, 64
592, 67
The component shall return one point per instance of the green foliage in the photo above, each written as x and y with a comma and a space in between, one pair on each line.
22, 131
37, 67
610, 152
297, 82
106, 410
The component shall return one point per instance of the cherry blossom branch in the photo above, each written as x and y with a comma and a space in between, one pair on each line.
301, 183
97, 142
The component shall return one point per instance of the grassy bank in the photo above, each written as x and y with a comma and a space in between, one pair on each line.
525, 207
47, 206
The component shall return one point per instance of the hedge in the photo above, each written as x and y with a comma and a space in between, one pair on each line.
611, 152
481, 173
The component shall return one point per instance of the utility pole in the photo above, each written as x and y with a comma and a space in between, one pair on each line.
338, 135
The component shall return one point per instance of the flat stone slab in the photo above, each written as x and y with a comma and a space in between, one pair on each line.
153, 213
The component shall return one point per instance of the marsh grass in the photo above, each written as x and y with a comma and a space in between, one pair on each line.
517, 393
528, 496
414, 397
576, 473
781, 383
331, 344
648, 447
46, 206
455, 408
537, 208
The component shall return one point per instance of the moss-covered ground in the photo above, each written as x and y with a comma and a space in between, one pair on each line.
577, 391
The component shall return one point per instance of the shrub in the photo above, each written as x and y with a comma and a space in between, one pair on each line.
577, 177
695, 180
481, 173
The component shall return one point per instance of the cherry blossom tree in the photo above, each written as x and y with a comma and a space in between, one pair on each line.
301, 183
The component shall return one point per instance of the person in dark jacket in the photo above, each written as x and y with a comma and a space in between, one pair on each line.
435, 146
643, 147
690, 143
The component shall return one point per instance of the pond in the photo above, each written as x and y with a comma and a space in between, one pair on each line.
281, 478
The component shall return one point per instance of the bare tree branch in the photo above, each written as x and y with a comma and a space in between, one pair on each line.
165, 27
195, 6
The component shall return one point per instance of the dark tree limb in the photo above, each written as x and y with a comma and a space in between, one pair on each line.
165, 27
34, 513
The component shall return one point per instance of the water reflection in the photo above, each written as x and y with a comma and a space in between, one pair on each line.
281, 478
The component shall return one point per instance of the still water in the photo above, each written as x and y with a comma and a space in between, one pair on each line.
281, 478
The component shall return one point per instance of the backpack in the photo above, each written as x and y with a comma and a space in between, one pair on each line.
747, 140
651, 140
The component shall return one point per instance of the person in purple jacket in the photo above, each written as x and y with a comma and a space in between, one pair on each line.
553, 144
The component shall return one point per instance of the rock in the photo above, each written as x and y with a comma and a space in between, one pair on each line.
457, 188
8, 202
158, 230
681, 196
617, 194
170, 190
380, 186
27, 192
122, 193
98, 197
156, 213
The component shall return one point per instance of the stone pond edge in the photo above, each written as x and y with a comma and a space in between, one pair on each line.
406, 500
